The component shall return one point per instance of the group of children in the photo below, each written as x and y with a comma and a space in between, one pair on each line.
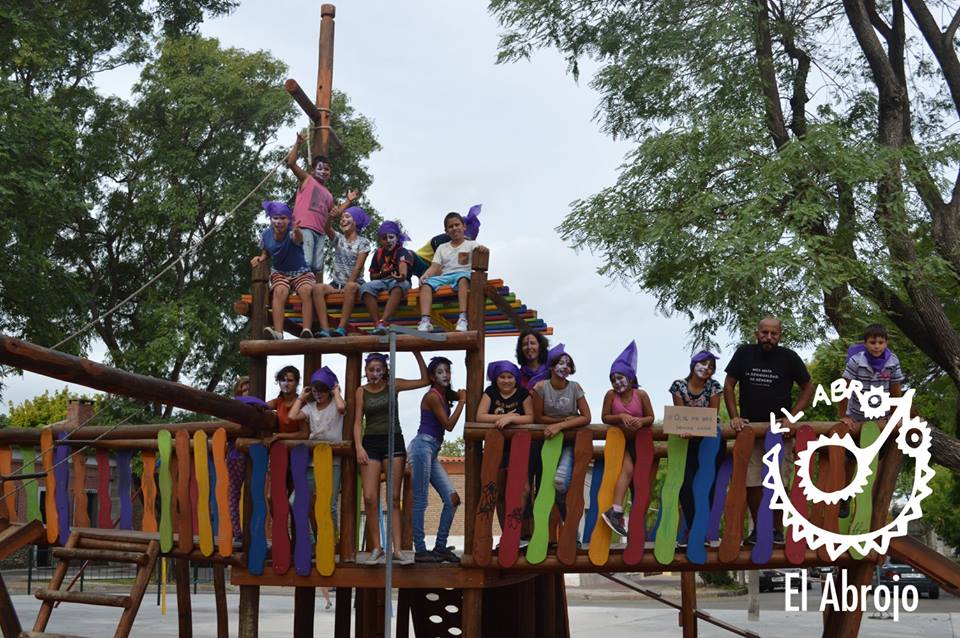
297, 241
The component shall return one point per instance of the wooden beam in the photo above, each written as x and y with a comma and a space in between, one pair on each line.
9, 621
51, 363
15, 536
469, 340
341, 624
321, 138
27, 436
304, 604
184, 611
348, 466
260, 293
308, 107
473, 451
220, 596
418, 576
471, 613
249, 622
688, 601
938, 567
504, 306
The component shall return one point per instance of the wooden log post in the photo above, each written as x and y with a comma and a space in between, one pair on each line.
249, 623
341, 624
51, 363
473, 450
471, 613
348, 464
260, 293
220, 596
688, 600
9, 621
184, 612
304, 604
321, 136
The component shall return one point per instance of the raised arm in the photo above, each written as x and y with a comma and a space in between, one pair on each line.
338, 400
413, 384
292, 158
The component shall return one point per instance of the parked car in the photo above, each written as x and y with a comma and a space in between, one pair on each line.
893, 572
774, 579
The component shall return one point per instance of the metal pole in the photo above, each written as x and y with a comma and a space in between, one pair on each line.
392, 412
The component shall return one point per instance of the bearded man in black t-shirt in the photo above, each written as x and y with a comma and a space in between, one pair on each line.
765, 372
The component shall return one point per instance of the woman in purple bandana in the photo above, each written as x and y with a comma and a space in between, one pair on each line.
873, 365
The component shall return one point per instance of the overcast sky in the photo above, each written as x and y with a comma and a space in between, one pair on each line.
457, 130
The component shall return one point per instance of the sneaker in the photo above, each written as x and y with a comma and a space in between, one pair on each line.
306, 334
376, 557
615, 520
270, 333
402, 558
446, 555
328, 606
380, 329
321, 334
461, 324
338, 332
845, 508
751, 539
778, 538
427, 557
424, 325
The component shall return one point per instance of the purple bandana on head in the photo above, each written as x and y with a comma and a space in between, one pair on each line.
393, 228
496, 368
277, 209
626, 362
325, 376
554, 353
877, 363
376, 356
471, 223
254, 401
702, 355
360, 217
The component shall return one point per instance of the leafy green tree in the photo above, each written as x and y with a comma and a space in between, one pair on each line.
39, 411
452, 447
791, 158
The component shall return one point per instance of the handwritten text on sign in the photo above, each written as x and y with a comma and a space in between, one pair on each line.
694, 421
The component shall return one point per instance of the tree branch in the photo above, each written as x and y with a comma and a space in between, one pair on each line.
768, 78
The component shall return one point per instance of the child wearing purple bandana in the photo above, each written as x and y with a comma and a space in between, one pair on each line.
874, 365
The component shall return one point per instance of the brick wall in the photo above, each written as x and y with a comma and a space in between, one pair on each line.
454, 467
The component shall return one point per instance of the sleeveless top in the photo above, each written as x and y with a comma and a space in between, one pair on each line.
285, 423
634, 407
428, 420
376, 411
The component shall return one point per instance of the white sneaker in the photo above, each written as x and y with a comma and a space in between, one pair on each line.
270, 333
425, 325
462, 324
376, 557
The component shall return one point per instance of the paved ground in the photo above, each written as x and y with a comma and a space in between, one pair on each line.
615, 620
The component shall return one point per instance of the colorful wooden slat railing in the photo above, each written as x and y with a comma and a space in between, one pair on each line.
613, 450
212, 496
835, 479
31, 489
184, 504
224, 527
736, 504
8, 500
50, 502
236, 465
702, 482
302, 549
323, 480
81, 517
567, 534
487, 506
194, 495
543, 504
280, 549
862, 505
763, 548
719, 497
644, 473
61, 474
104, 504
124, 487
796, 548
165, 448
202, 472
515, 499
593, 511
148, 487
257, 553
665, 544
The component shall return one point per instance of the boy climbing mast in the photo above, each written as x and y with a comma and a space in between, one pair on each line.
451, 266
314, 203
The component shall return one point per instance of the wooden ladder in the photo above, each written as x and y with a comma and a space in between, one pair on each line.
80, 548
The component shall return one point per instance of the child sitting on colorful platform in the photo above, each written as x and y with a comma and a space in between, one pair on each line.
350, 252
313, 203
627, 406
288, 268
390, 271
451, 266
424, 256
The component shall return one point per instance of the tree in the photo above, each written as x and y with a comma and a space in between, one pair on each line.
452, 447
39, 411
122, 189
792, 158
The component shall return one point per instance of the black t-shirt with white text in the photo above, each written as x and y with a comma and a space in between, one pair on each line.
766, 379
499, 405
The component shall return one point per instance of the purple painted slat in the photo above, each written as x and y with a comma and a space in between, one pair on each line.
125, 478
302, 547
236, 468
61, 475
764, 548
719, 498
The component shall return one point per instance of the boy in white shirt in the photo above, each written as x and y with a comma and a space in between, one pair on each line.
451, 266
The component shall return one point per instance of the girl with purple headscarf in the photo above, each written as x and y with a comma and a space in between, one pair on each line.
350, 251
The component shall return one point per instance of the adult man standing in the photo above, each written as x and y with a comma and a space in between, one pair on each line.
765, 372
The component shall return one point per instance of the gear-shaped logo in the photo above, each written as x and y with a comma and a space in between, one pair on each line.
913, 440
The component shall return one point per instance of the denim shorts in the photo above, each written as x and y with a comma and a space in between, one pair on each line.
376, 446
376, 286
451, 279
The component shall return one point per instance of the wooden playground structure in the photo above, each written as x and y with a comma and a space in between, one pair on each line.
188, 511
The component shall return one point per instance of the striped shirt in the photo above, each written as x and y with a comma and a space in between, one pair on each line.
859, 368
